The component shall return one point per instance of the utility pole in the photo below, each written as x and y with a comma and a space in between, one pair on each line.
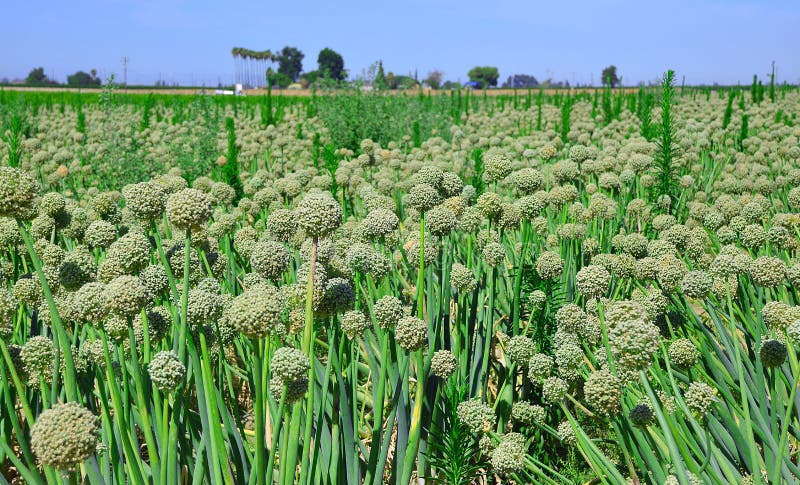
125, 60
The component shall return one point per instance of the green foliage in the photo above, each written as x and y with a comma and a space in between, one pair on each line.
608, 108
609, 76
644, 112
83, 79
772, 83
331, 64
486, 76
434, 79
380, 78
666, 145
37, 77
290, 63
278, 79
230, 171
566, 110
477, 178
726, 117
452, 449
14, 125
149, 104
743, 131
107, 96
267, 117
394, 81
539, 103
352, 118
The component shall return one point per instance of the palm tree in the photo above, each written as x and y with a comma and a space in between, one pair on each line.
235, 69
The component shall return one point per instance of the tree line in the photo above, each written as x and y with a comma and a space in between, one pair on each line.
37, 77
256, 69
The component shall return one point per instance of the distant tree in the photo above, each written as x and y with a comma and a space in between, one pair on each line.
521, 81
331, 64
278, 79
309, 78
609, 76
397, 81
451, 85
290, 62
380, 77
434, 79
37, 77
486, 76
82, 79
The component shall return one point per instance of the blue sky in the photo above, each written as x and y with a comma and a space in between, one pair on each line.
724, 41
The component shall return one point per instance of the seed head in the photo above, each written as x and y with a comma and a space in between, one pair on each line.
354, 322
549, 265
100, 234
494, 254
379, 223
593, 281
65, 435
490, 204
699, 397
147, 200
281, 224
37, 357
634, 343
773, 353
256, 312
554, 389
440, 221
603, 391
189, 209
318, 214
768, 271
388, 311
476, 415
566, 434
17, 192
537, 298
270, 259
126, 296
443, 364
524, 412
166, 371
92, 302
509, 456
289, 364
696, 284
8, 309
641, 415
521, 349
131, 251
295, 390
155, 281
411, 333
683, 353
422, 197
540, 367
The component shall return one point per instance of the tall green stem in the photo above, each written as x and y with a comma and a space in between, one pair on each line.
258, 364
308, 340
55, 320
187, 249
